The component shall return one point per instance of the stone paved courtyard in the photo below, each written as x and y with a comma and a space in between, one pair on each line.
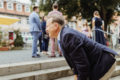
15, 56
19, 56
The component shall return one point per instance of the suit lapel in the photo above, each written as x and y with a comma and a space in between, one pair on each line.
61, 34
60, 42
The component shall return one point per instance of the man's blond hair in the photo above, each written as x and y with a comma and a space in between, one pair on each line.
56, 18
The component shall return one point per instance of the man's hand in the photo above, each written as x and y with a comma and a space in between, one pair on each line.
75, 77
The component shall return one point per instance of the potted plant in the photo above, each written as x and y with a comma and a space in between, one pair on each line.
18, 42
4, 46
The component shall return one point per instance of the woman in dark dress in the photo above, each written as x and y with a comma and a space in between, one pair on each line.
97, 25
45, 37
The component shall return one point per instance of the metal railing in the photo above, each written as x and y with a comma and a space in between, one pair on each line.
117, 46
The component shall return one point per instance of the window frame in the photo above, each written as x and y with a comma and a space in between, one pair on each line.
2, 3
17, 8
26, 8
10, 4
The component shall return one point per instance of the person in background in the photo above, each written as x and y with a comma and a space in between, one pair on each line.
117, 18
35, 29
98, 27
88, 59
55, 11
40, 39
66, 21
79, 23
115, 34
45, 36
86, 29
119, 32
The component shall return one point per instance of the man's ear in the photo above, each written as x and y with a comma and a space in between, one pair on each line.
56, 25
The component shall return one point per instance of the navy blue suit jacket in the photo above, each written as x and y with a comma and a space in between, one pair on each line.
88, 59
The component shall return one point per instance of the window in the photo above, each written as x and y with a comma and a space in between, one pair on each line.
19, 7
1, 4
27, 9
10, 6
27, 20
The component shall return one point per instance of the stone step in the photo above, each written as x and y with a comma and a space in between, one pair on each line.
115, 76
16, 68
72, 78
48, 74
117, 71
117, 61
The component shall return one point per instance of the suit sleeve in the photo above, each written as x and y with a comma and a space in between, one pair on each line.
66, 48
37, 20
78, 55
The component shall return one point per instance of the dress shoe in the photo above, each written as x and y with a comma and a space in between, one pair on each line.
60, 55
35, 56
38, 55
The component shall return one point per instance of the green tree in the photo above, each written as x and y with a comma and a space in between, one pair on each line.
105, 7
46, 5
33, 2
86, 7
68, 7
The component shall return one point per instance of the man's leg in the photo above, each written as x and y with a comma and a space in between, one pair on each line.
34, 44
59, 48
109, 73
52, 46
46, 42
43, 45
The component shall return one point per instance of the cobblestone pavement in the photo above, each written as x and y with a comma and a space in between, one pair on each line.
15, 56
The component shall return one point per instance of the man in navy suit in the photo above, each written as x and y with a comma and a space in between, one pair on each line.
35, 29
89, 60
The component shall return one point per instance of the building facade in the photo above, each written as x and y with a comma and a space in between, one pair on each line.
19, 10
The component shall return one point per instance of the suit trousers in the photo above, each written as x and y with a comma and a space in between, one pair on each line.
109, 73
35, 36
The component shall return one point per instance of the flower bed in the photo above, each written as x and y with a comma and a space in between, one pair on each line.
4, 48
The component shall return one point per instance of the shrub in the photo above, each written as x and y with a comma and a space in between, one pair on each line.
19, 40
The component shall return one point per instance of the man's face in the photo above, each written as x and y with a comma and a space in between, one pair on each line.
37, 10
52, 28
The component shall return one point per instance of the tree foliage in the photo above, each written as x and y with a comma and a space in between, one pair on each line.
46, 5
85, 7
33, 2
